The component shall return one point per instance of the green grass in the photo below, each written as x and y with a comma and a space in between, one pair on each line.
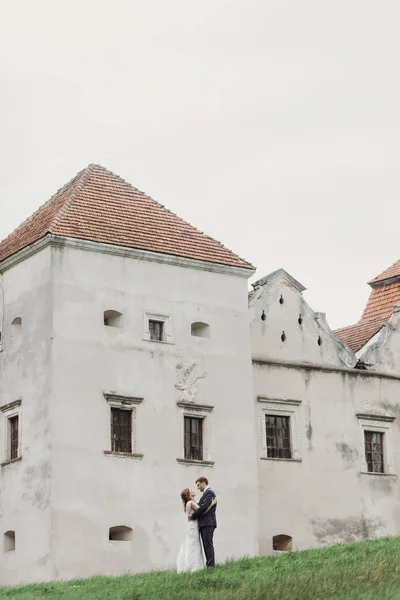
365, 570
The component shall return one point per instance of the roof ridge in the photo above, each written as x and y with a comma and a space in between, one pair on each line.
122, 180
40, 208
84, 175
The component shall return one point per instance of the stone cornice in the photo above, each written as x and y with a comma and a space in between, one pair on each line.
322, 368
10, 405
195, 406
374, 417
275, 400
25, 253
66, 242
119, 399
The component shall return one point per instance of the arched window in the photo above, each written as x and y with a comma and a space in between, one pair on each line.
9, 541
201, 330
112, 318
282, 542
120, 533
17, 322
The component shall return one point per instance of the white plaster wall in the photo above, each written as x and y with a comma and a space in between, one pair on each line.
325, 499
301, 343
25, 373
91, 491
383, 353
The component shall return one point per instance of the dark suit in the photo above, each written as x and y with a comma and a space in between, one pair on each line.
207, 524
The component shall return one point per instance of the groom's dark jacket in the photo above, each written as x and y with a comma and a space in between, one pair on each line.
206, 519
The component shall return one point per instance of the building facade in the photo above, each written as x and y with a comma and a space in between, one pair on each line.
132, 362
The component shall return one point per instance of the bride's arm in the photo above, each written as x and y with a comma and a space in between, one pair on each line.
193, 505
213, 503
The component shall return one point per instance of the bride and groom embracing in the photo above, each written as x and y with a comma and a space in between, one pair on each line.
200, 530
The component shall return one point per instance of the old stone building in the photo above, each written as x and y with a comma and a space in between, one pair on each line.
132, 361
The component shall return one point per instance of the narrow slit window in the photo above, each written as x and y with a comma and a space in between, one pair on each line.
156, 329
193, 438
374, 451
121, 430
278, 436
13, 424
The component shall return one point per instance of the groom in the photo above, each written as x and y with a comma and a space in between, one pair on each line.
207, 520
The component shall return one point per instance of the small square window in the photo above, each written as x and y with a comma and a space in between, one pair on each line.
121, 430
156, 329
278, 436
374, 451
193, 430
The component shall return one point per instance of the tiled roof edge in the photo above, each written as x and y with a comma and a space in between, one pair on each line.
173, 259
122, 180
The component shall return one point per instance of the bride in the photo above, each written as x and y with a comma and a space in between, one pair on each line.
190, 557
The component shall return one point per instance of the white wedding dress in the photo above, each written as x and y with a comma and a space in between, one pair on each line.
190, 557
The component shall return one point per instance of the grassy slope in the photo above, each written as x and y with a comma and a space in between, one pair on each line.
363, 570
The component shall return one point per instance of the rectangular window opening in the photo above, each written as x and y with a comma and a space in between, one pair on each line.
193, 430
156, 329
13, 437
121, 430
278, 436
374, 451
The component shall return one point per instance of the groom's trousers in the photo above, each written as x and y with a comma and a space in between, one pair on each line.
207, 534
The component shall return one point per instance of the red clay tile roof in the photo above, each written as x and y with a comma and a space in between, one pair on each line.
377, 312
98, 206
356, 336
381, 301
393, 271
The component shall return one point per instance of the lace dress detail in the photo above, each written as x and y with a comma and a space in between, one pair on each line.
190, 557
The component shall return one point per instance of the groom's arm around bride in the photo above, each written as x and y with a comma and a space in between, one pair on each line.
204, 503
206, 518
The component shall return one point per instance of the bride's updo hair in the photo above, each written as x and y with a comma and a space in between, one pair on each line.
185, 495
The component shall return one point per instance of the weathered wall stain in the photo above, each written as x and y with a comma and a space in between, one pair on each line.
348, 453
351, 529
309, 428
386, 485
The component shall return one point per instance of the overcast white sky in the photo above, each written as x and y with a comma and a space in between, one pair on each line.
272, 125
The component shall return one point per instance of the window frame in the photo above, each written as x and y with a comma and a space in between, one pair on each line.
377, 424
160, 334
166, 320
11, 411
278, 407
199, 411
275, 448
129, 404
13, 442
192, 449
114, 410
381, 454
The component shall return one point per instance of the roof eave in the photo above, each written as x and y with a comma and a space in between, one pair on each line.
123, 251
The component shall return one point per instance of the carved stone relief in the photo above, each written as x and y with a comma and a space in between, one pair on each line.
187, 374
